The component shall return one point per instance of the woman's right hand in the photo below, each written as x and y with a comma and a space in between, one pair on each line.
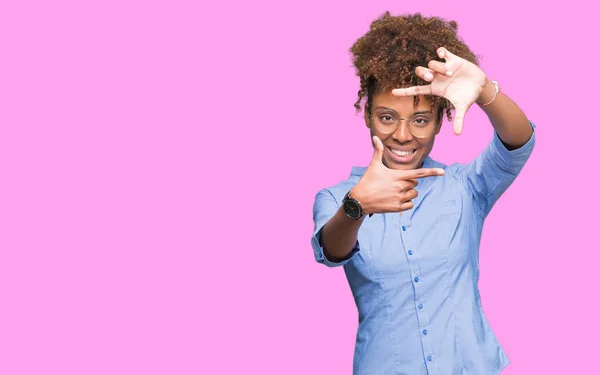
382, 190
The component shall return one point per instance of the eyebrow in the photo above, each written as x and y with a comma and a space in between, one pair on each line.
415, 113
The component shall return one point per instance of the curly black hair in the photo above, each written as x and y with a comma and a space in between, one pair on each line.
387, 55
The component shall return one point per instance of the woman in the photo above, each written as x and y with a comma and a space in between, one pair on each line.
407, 228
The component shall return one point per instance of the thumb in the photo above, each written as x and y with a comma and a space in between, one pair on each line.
378, 153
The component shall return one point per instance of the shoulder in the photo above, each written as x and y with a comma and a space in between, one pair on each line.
338, 190
452, 170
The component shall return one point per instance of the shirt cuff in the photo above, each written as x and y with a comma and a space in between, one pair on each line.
320, 254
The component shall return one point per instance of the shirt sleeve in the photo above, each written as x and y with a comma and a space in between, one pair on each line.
324, 209
494, 170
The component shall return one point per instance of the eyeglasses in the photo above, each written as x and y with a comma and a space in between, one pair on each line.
420, 125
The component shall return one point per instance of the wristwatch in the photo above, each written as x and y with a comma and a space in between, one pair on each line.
352, 207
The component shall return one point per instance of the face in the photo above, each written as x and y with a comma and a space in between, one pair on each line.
402, 150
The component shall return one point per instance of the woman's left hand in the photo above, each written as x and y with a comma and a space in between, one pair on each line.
458, 80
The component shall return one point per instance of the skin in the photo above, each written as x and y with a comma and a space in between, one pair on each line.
388, 186
385, 104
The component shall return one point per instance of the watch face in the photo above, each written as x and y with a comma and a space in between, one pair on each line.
352, 209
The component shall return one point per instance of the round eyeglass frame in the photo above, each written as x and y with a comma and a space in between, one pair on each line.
398, 123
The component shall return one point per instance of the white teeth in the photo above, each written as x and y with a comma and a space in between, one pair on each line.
402, 153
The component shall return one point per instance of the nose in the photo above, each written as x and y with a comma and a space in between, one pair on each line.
402, 134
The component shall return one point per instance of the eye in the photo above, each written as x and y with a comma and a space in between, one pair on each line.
421, 121
386, 119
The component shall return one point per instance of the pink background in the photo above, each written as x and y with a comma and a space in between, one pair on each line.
159, 161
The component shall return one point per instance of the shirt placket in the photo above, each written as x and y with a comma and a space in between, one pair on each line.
418, 281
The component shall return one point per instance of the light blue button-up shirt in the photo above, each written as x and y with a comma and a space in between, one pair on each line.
415, 276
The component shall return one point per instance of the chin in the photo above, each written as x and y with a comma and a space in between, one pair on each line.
400, 166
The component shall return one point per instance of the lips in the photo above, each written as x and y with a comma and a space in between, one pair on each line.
401, 156
402, 153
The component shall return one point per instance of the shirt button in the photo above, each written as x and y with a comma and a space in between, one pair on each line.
429, 358
416, 279
403, 227
409, 252
425, 332
420, 306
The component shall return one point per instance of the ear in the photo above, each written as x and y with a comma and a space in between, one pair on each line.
366, 114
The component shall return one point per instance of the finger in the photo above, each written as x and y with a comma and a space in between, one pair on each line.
413, 91
440, 68
378, 152
406, 185
405, 206
410, 195
459, 118
425, 73
443, 53
412, 174
412, 183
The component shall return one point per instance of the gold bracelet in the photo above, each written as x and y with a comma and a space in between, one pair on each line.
496, 90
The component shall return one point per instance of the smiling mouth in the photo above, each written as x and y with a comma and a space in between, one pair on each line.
403, 154
402, 157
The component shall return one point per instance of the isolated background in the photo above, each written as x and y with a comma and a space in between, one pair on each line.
159, 161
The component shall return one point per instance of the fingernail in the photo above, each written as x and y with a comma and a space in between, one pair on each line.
428, 76
441, 172
448, 73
